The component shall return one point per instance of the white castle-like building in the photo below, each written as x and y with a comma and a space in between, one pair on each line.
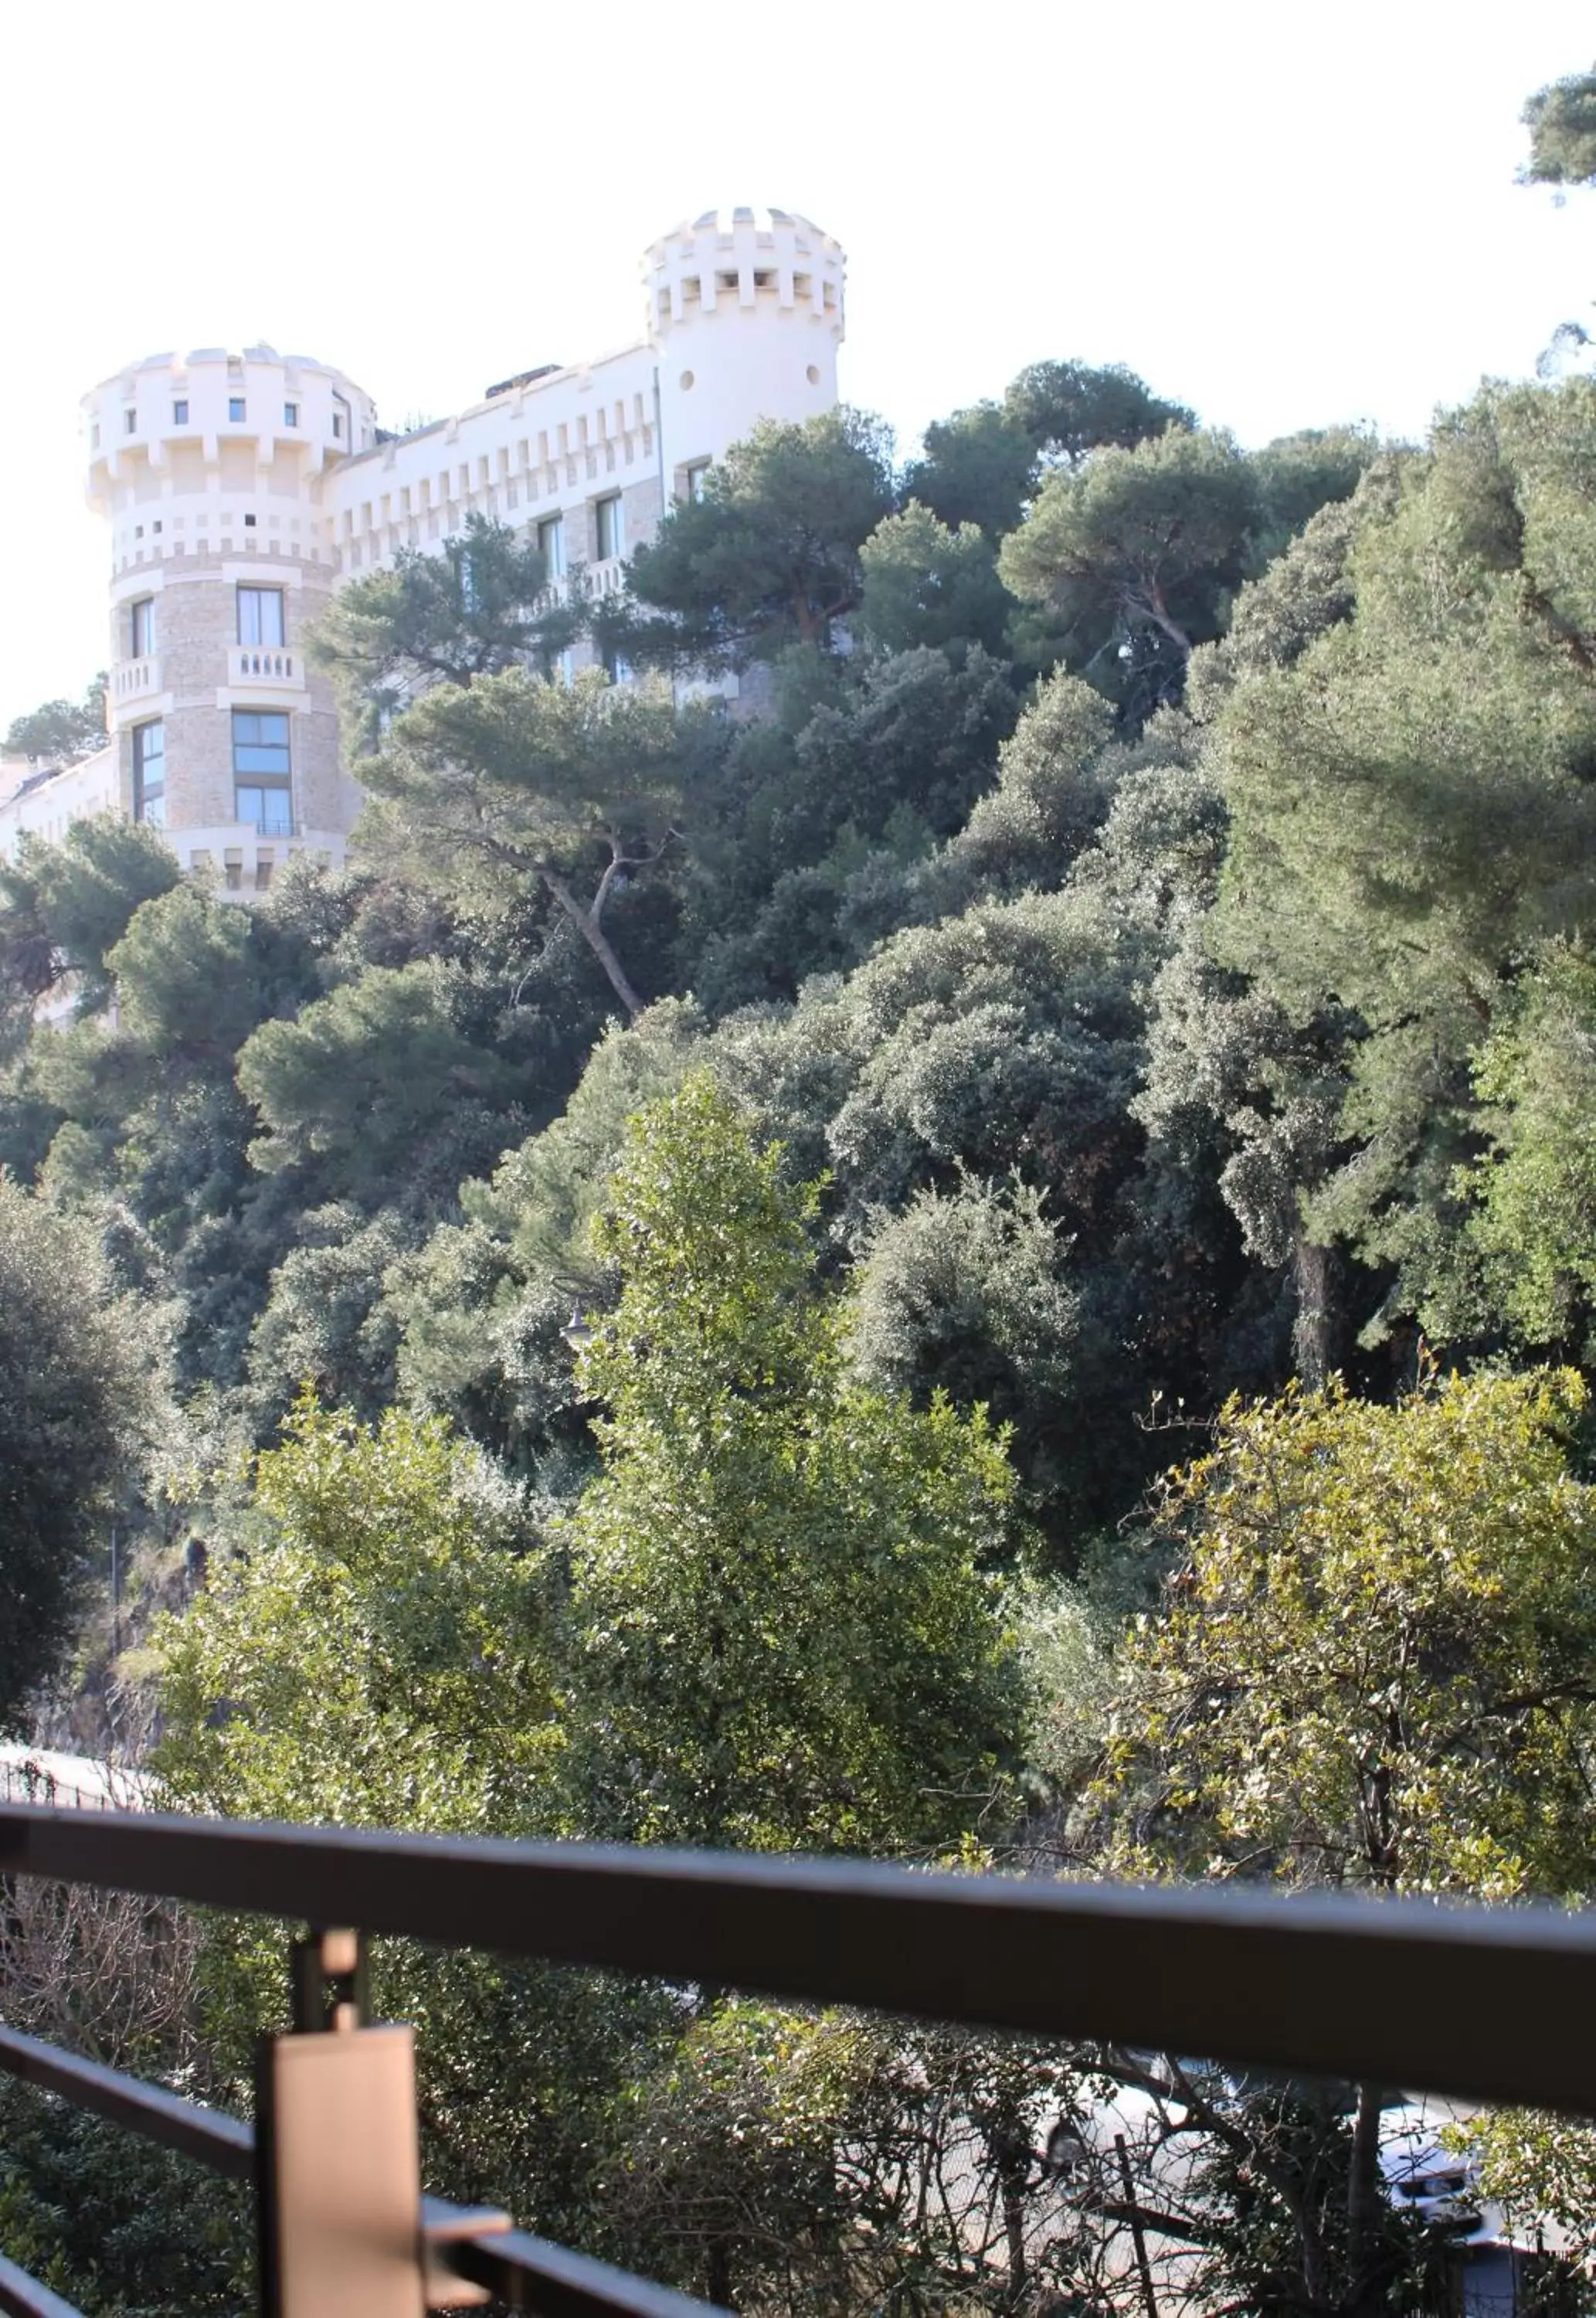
242, 490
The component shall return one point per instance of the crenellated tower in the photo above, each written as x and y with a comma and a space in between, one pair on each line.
211, 471
745, 312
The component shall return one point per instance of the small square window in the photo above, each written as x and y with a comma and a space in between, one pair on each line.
180, 411
235, 407
130, 421
291, 414
249, 523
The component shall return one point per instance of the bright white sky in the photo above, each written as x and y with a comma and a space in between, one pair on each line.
1284, 215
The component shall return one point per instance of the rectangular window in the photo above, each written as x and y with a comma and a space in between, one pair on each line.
260, 615
264, 809
261, 770
150, 775
550, 546
337, 425
143, 625
612, 529
235, 407
130, 421
260, 744
180, 411
291, 414
697, 476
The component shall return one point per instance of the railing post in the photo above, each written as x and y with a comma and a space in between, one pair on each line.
337, 2161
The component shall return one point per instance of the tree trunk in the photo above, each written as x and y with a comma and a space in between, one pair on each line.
1159, 612
1365, 2273
1138, 2237
586, 924
1310, 1331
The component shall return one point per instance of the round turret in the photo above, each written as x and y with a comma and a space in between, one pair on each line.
745, 309
208, 447
210, 471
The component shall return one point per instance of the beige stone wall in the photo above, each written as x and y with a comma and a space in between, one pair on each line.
644, 507
196, 645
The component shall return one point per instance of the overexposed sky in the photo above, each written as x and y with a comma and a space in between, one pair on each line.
1286, 216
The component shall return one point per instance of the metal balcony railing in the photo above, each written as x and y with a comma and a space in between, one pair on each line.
1318, 1985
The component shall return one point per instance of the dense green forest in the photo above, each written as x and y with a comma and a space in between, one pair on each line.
980, 1246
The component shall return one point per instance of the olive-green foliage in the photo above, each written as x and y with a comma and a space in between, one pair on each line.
63, 907
543, 1195
77, 1402
768, 554
1373, 1667
1069, 409
788, 2162
382, 1637
1006, 1037
978, 466
514, 775
122, 2228
1541, 2170
1136, 556
867, 766
514, 788
1412, 808
782, 1636
1561, 119
969, 1293
377, 1647
926, 583
1050, 794
471, 608
480, 1308
982, 465
373, 1077
1299, 474
326, 1320
1345, 773
1537, 1190
189, 973
60, 732
724, 2176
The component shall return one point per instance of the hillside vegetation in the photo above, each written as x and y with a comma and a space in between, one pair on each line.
984, 1252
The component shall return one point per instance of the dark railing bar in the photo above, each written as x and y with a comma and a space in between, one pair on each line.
223, 2143
530, 2273
1322, 1984
471, 2240
22, 2297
